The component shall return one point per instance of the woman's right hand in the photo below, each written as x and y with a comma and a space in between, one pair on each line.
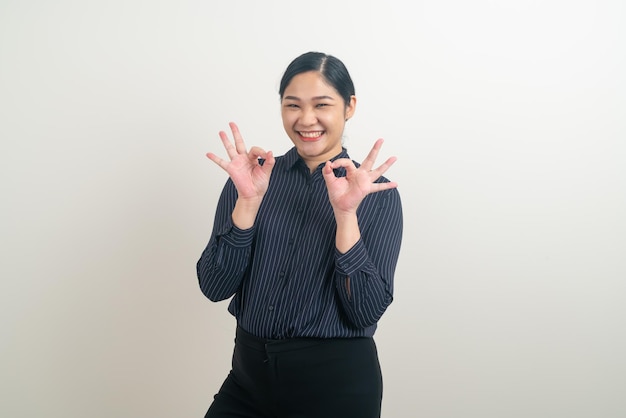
250, 177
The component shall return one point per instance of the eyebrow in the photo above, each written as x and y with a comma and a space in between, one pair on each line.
314, 98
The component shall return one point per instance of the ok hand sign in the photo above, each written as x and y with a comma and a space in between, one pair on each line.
250, 177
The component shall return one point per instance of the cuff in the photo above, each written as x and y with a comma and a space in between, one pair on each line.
236, 237
353, 260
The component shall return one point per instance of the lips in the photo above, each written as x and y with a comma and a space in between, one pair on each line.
310, 135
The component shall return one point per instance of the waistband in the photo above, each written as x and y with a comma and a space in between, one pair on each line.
269, 345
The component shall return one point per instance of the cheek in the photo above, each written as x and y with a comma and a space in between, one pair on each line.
336, 120
285, 117
289, 114
288, 121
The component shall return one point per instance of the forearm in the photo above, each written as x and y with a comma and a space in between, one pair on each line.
348, 232
364, 290
245, 211
223, 262
364, 274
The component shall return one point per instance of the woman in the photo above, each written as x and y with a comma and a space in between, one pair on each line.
307, 243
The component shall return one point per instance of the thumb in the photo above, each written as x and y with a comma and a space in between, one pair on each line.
268, 162
328, 173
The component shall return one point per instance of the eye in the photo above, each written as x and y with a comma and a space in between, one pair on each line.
291, 105
322, 105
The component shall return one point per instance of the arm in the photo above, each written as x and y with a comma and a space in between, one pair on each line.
224, 260
365, 263
364, 274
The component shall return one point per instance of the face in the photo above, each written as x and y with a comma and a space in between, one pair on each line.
314, 115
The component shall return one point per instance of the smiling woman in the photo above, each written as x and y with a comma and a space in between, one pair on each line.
314, 115
317, 97
306, 244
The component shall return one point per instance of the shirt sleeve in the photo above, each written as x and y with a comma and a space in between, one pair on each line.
223, 262
364, 274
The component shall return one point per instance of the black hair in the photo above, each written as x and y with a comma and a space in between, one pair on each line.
331, 68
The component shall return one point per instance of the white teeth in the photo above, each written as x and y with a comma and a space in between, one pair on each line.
311, 134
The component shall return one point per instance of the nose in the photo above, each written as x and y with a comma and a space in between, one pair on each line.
308, 117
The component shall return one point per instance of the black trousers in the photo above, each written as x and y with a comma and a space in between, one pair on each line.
300, 378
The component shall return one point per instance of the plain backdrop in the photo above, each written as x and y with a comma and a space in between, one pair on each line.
509, 123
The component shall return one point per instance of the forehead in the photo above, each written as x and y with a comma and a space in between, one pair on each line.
309, 84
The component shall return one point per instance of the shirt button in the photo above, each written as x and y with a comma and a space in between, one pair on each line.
271, 307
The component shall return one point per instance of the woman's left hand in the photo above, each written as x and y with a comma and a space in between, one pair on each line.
346, 193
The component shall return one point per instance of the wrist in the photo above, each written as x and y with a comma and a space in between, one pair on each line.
348, 232
249, 202
245, 211
344, 215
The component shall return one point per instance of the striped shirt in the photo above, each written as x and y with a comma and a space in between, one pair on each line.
285, 273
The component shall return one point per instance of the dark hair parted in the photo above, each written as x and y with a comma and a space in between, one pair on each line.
331, 68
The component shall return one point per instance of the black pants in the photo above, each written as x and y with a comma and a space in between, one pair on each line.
300, 378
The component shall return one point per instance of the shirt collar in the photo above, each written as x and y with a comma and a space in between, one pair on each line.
292, 157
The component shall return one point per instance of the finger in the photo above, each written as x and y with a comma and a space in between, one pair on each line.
268, 163
342, 162
240, 146
379, 187
369, 161
327, 172
257, 152
217, 160
383, 167
347, 164
228, 146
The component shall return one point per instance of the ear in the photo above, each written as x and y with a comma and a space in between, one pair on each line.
350, 107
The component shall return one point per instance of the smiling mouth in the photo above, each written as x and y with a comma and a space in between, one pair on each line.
308, 136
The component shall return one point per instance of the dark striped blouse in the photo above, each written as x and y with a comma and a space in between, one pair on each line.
286, 275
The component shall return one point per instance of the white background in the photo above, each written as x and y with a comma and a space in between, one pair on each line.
508, 119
